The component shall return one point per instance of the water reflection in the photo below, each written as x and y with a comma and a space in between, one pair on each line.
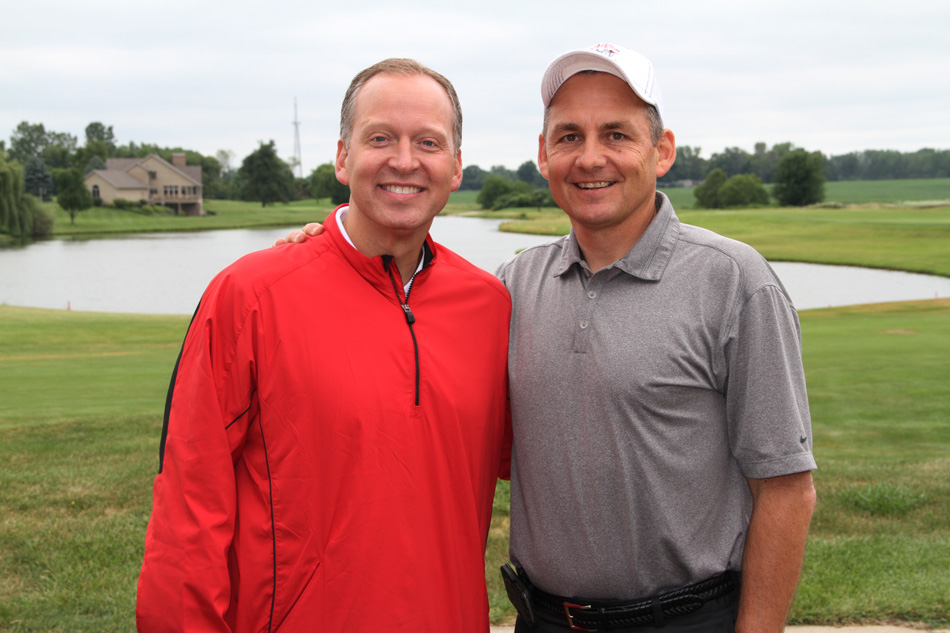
166, 273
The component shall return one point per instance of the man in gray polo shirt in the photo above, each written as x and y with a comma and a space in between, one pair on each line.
662, 438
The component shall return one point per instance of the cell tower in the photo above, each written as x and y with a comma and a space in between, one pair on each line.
299, 165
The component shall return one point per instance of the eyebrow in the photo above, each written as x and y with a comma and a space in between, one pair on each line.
372, 126
560, 128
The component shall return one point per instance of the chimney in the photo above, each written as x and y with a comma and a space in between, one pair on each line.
178, 160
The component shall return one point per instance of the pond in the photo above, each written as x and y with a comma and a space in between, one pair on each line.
166, 273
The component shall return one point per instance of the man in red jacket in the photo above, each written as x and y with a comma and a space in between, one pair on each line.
346, 486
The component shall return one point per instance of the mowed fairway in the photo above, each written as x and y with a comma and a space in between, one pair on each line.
903, 238
81, 415
80, 419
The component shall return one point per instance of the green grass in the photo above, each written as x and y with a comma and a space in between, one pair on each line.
888, 191
222, 214
879, 547
897, 238
904, 238
80, 420
111, 364
81, 417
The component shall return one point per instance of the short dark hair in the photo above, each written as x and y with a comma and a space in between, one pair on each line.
405, 68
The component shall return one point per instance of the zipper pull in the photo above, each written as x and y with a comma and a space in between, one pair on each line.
410, 318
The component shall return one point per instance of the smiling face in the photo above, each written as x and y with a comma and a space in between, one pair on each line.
399, 161
598, 155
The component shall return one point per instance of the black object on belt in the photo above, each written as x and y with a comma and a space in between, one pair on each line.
586, 615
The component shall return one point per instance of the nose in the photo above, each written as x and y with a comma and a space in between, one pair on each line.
403, 158
592, 156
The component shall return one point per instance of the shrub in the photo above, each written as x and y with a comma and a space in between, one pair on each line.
720, 192
707, 194
537, 198
742, 190
493, 188
42, 222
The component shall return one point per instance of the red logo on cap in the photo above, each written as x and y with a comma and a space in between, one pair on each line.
605, 49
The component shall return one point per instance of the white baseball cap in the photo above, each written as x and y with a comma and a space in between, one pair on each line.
620, 61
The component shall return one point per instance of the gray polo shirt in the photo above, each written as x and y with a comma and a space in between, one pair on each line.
642, 397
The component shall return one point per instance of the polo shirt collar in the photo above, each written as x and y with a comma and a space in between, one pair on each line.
649, 256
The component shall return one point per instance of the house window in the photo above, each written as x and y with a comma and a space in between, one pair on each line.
95, 191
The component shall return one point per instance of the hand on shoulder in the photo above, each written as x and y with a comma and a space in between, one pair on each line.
298, 236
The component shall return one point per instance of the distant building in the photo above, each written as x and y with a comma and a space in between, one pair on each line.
152, 179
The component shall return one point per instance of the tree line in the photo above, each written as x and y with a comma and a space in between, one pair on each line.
48, 150
691, 168
798, 180
41, 163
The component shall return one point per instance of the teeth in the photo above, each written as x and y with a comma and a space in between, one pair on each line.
397, 189
594, 185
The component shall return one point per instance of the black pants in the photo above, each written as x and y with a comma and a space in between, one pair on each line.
716, 616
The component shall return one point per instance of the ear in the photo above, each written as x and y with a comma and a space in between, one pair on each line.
542, 157
457, 171
340, 164
666, 153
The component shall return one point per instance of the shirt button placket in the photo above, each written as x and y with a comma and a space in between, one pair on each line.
586, 312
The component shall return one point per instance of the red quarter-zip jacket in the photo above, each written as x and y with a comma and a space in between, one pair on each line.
330, 449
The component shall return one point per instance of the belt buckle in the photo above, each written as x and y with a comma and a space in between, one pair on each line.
570, 617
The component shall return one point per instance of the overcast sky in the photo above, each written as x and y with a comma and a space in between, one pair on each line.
830, 75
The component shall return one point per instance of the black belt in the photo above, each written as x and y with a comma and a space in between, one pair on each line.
592, 616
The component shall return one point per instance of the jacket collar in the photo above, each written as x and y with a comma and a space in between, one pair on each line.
373, 269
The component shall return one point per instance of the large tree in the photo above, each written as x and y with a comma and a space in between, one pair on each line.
800, 179
91, 156
473, 177
266, 177
689, 166
732, 160
28, 140
20, 215
73, 196
39, 181
324, 184
11, 194
96, 131
528, 172
33, 139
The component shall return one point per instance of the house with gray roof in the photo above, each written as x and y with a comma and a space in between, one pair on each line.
152, 179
